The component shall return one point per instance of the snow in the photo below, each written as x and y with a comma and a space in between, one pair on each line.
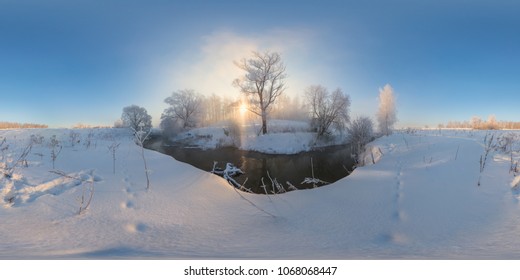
284, 137
515, 182
419, 200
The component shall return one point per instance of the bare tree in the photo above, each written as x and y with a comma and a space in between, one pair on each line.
185, 106
263, 82
386, 115
136, 118
326, 108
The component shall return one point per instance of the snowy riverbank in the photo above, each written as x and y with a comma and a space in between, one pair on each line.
284, 137
420, 200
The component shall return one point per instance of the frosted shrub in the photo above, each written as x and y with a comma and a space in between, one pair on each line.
360, 133
233, 131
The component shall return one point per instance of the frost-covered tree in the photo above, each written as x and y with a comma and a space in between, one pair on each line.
476, 122
327, 108
492, 122
212, 107
361, 131
263, 82
386, 115
136, 118
169, 126
185, 107
288, 108
118, 124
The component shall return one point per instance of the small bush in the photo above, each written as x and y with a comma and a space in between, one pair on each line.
233, 131
361, 132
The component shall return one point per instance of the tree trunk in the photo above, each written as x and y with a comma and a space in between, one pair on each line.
264, 121
264, 125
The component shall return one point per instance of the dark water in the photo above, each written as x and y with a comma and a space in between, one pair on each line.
330, 164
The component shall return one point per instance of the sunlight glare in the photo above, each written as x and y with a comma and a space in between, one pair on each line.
243, 109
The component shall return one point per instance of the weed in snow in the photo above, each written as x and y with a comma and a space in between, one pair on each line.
74, 138
140, 137
88, 192
488, 146
112, 148
9, 167
314, 181
55, 149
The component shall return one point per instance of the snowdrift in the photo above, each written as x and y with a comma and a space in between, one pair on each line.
419, 200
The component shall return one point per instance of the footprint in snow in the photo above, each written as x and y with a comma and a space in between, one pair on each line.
393, 238
135, 227
400, 216
127, 205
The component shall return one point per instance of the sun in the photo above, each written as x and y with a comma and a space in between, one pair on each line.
243, 109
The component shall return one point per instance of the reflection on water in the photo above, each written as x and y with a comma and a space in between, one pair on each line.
330, 164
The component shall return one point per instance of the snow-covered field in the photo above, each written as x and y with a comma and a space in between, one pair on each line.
420, 200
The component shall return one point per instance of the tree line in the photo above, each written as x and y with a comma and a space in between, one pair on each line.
15, 125
477, 123
262, 87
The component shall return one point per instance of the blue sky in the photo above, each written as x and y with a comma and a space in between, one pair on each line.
69, 62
